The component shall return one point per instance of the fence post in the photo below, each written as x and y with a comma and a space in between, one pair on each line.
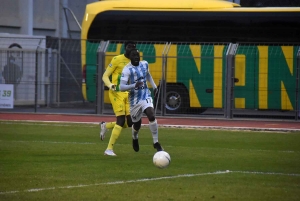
47, 82
36, 76
229, 88
36, 80
163, 84
298, 86
58, 72
99, 84
164, 77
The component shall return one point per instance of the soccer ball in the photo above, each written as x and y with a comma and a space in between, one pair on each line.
161, 159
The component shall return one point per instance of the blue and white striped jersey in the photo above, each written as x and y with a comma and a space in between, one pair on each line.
132, 74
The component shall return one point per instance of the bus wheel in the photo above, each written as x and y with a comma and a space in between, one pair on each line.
177, 99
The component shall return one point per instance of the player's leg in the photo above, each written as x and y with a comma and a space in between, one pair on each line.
135, 129
136, 117
105, 126
128, 122
149, 111
117, 100
152, 123
135, 137
116, 131
134, 132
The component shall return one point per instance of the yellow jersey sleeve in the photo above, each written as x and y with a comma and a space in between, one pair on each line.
106, 75
115, 69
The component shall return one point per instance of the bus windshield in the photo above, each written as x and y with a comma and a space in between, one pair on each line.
204, 26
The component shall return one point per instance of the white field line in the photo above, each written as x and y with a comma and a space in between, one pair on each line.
147, 179
62, 123
232, 128
47, 123
93, 143
49, 142
267, 173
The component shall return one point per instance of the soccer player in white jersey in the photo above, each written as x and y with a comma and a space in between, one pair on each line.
134, 79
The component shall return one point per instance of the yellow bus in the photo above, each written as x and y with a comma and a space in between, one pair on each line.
204, 29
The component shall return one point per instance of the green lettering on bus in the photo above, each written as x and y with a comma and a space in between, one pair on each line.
281, 77
201, 79
246, 85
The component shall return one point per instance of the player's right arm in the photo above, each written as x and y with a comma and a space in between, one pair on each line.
124, 86
109, 70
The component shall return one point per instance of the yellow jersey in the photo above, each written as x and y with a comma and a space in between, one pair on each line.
115, 69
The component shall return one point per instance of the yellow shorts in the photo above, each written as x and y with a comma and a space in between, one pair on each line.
120, 103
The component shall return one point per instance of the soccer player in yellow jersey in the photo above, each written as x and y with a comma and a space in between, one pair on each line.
118, 99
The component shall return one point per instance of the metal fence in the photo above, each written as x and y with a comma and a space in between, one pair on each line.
206, 80
46, 74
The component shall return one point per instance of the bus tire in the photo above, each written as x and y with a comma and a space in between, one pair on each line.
177, 99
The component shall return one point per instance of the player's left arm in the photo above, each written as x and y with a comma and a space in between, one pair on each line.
108, 72
124, 86
150, 79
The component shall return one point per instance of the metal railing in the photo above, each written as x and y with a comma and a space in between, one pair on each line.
219, 80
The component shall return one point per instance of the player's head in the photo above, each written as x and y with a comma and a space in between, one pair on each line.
129, 45
134, 56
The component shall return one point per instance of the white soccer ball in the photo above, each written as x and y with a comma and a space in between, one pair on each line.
161, 159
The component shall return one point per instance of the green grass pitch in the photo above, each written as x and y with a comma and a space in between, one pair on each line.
56, 161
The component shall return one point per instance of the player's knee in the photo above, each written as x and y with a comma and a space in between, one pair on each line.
129, 121
121, 120
151, 118
137, 125
150, 113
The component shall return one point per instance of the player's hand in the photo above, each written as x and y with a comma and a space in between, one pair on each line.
155, 92
113, 87
139, 85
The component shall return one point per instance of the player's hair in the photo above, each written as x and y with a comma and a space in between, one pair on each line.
129, 42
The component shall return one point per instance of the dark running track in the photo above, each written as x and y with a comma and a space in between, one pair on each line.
264, 125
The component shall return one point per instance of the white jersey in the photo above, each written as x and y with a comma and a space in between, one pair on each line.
132, 74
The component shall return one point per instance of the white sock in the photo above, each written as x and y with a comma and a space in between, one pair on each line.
134, 133
154, 130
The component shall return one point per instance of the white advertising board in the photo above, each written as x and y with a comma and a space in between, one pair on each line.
7, 96
18, 60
